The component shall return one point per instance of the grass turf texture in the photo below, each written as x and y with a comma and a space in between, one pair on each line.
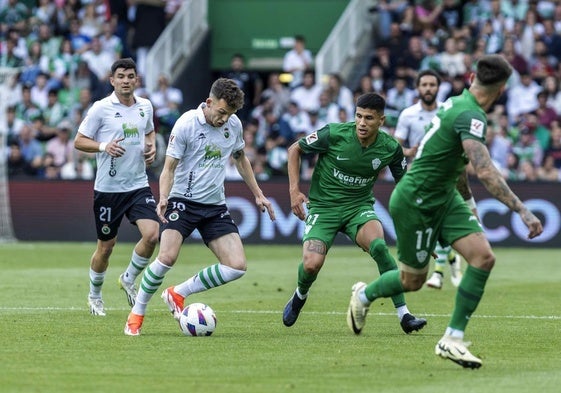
50, 343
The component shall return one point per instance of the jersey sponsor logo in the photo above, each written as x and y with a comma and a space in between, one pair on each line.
312, 138
212, 152
376, 163
130, 132
351, 180
476, 128
342, 158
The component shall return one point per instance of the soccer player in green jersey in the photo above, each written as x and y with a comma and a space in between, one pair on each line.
426, 207
350, 158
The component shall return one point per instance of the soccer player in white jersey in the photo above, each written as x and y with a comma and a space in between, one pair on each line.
409, 131
192, 197
120, 129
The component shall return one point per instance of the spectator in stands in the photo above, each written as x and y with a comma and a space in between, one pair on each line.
110, 41
540, 132
499, 146
11, 124
451, 60
398, 98
378, 80
328, 111
523, 97
91, 25
551, 89
40, 91
546, 114
80, 109
118, 10
541, 64
306, 96
295, 122
554, 149
383, 59
389, 11
61, 147
65, 62
35, 63
26, 109
510, 52
166, 101
98, 60
297, 60
278, 93
8, 58
13, 14
10, 90
548, 171
50, 44
528, 148
31, 151
249, 82
46, 12
341, 94
80, 42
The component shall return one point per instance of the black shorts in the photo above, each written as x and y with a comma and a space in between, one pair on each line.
212, 221
110, 207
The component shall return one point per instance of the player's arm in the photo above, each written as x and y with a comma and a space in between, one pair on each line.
398, 165
297, 198
165, 183
150, 147
89, 145
493, 181
465, 191
246, 171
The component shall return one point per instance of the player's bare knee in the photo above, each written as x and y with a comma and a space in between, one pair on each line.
412, 283
485, 261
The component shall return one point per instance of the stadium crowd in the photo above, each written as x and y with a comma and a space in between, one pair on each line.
64, 50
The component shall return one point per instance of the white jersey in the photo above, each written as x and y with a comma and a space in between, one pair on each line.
108, 120
203, 152
411, 123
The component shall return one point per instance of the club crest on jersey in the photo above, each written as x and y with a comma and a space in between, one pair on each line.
226, 133
476, 128
376, 163
174, 216
105, 229
312, 138
421, 256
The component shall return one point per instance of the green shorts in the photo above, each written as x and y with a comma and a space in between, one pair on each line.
419, 229
323, 223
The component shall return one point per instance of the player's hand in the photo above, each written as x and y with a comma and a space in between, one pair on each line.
149, 153
161, 209
532, 222
264, 204
114, 149
297, 202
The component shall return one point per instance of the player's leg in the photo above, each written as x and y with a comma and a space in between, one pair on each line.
472, 244
437, 277
152, 278
321, 228
313, 258
98, 267
370, 237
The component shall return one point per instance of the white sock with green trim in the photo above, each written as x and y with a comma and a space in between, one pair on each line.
135, 267
96, 282
207, 278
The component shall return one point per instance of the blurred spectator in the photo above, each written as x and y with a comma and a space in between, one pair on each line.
548, 171
248, 81
457, 86
378, 81
389, 11
61, 147
110, 41
46, 12
297, 60
523, 97
510, 52
399, 97
91, 25
451, 60
11, 124
10, 90
383, 59
50, 44
35, 63
79, 168
554, 149
542, 64
553, 93
26, 109
48, 169
80, 42
31, 152
65, 62
341, 94
80, 109
85, 78
307, 94
427, 13
499, 145
328, 111
118, 10
541, 133
278, 93
54, 112
99, 61
40, 91
13, 14
166, 101
295, 123
528, 147
8, 58
546, 114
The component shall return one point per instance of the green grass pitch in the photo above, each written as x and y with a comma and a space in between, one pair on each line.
50, 343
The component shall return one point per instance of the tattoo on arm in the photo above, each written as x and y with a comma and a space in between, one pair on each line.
237, 154
463, 186
316, 246
489, 175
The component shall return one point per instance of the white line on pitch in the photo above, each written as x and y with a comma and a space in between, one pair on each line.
39, 309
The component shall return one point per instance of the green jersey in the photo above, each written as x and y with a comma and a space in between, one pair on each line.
345, 171
440, 159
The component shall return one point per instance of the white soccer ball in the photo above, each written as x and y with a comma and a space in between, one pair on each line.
197, 319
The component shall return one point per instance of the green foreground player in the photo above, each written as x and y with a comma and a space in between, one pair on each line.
350, 158
426, 207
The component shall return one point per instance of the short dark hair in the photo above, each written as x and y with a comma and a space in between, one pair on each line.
492, 69
228, 90
371, 101
126, 63
428, 72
